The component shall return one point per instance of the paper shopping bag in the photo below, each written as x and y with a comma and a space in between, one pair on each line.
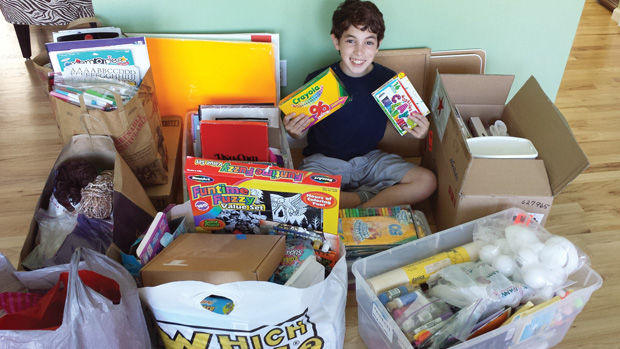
132, 210
135, 127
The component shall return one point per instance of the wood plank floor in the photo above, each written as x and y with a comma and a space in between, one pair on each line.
587, 211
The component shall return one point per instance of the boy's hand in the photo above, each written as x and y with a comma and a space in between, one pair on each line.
296, 124
421, 129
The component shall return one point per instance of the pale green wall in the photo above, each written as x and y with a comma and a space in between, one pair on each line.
521, 37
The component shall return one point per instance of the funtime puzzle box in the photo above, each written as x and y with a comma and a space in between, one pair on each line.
232, 196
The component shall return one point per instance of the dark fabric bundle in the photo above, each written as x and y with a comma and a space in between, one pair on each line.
71, 177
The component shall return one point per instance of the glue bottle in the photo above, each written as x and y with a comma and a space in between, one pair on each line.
418, 272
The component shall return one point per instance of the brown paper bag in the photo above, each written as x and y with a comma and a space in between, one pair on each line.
132, 210
134, 126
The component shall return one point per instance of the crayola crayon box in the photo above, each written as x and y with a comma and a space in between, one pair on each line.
317, 98
398, 99
232, 196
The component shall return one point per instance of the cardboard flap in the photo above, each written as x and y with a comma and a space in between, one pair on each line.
453, 62
477, 89
411, 61
546, 127
517, 177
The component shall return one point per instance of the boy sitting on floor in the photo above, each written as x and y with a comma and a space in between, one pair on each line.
345, 143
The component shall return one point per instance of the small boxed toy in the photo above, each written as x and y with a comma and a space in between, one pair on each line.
317, 98
236, 196
398, 99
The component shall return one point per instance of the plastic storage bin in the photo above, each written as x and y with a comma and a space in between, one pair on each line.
541, 329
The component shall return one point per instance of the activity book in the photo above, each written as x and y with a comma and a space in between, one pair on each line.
318, 98
399, 99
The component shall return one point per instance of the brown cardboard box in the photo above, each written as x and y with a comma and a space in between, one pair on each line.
164, 194
215, 258
421, 65
470, 187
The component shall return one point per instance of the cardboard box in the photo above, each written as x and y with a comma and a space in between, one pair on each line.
230, 196
421, 65
215, 258
469, 187
164, 194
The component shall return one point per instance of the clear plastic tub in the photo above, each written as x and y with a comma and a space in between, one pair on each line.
542, 329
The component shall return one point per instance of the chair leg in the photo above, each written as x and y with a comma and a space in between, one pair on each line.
23, 36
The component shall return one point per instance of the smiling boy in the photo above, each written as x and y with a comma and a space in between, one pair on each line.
345, 143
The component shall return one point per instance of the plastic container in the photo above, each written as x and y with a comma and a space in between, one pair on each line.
501, 147
542, 329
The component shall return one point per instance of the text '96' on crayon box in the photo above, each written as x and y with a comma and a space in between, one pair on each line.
317, 98
236, 196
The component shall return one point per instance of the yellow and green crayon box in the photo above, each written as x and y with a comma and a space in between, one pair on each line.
235, 196
317, 98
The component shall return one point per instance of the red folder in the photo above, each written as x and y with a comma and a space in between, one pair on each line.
234, 140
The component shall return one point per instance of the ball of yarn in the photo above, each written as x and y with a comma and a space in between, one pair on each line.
70, 177
97, 196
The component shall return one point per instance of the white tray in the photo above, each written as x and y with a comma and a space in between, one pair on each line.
501, 147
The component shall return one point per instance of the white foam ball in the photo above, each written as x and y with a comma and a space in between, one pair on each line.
546, 293
535, 276
520, 236
526, 256
556, 276
537, 247
503, 245
488, 253
504, 264
554, 256
560, 252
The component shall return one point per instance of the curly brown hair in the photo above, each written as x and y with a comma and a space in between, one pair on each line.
362, 14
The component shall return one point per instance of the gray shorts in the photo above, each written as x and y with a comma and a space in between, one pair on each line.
372, 172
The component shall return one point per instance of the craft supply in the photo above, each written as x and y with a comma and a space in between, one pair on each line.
399, 100
401, 301
394, 293
97, 196
317, 98
419, 271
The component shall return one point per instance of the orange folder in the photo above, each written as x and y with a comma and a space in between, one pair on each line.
188, 73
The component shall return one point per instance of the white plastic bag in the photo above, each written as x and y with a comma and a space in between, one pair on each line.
90, 320
265, 315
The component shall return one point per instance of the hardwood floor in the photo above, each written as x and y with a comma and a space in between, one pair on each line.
587, 211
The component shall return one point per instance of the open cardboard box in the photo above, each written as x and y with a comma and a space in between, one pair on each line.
471, 187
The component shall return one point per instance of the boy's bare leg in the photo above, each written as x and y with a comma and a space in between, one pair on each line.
349, 199
417, 184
